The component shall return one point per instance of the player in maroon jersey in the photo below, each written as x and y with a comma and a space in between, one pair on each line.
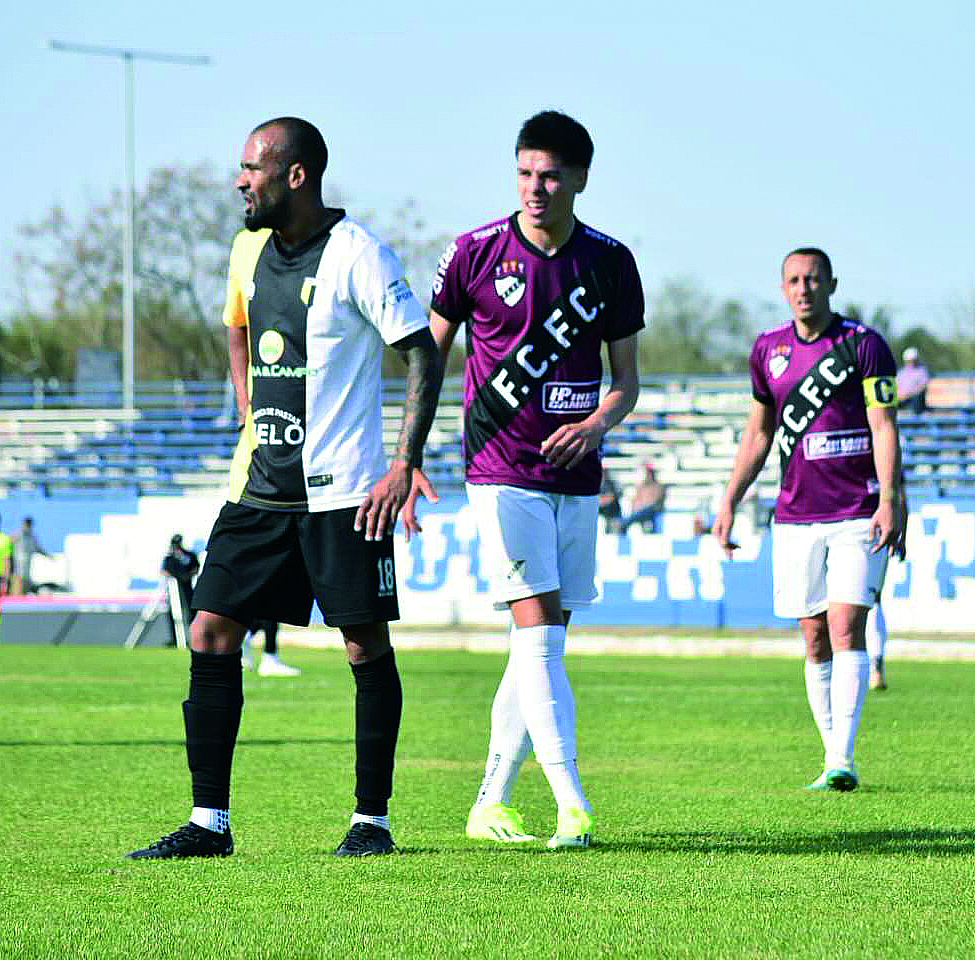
825, 396
541, 295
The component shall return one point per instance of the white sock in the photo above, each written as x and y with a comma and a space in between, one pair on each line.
851, 672
876, 632
211, 819
509, 744
549, 708
818, 693
368, 818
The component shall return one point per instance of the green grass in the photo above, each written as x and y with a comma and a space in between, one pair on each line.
706, 845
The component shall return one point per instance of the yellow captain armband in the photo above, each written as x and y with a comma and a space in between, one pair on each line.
880, 391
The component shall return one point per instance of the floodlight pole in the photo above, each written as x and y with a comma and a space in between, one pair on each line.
128, 237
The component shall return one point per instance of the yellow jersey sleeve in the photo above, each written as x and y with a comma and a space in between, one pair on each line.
244, 254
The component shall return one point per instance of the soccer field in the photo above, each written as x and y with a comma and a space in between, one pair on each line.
705, 844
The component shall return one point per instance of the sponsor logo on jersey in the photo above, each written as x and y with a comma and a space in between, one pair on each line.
396, 292
596, 235
836, 443
442, 264
271, 346
495, 228
570, 397
273, 370
275, 428
778, 362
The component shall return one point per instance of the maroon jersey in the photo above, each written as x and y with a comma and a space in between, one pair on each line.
535, 329
820, 392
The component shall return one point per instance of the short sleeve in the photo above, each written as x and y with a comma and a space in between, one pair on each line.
450, 297
628, 318
382, 294
875, 358
760, 387
234, 310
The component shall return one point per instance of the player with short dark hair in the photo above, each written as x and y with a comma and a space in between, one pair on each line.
312, 296
540, 293
825, 397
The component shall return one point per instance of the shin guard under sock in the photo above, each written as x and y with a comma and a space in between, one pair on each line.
211, 715
378, 707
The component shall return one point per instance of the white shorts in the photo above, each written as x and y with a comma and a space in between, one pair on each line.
816, 564
534, 542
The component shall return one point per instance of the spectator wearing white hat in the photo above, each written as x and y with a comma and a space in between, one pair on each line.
912, 382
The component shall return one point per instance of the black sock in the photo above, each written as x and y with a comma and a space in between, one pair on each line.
211, 716
378, 706
270, 637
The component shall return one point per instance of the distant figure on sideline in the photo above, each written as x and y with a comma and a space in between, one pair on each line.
26, 547
912, 383
648, 502
270, 665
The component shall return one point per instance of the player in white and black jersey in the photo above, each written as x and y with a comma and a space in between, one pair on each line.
311, 298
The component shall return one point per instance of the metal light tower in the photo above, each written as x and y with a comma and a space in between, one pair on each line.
128, 240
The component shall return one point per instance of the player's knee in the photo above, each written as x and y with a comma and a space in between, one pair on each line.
210, 633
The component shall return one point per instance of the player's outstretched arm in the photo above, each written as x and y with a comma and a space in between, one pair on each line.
756, 441
887, 523
572, 441
377, 514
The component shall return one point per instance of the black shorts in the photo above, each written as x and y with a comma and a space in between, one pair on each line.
271, 565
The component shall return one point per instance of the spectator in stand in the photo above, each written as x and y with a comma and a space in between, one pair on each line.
26, 547
912, 383
609, 503
648, 502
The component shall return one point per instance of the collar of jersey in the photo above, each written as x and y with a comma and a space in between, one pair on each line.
531, 248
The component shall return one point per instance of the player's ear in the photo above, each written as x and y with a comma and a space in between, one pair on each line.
296, 176
583, 179
832, 286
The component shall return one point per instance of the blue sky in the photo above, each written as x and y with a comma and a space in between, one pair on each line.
725, 133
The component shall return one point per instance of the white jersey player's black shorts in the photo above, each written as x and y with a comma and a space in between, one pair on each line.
271, 565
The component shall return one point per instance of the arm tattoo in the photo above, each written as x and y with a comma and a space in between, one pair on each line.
423, 379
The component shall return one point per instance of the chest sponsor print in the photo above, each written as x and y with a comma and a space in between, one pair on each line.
566, 398
835, 443
277, 428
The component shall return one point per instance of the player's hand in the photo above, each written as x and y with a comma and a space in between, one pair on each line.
885, 529
378, 512
421, 487
721, 529
569, 444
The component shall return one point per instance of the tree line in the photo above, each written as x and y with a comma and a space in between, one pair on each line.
69, 296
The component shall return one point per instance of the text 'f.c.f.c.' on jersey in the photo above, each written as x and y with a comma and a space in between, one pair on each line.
316, 319
535, 329
820, 391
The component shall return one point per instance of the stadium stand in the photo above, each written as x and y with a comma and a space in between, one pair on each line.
179, 439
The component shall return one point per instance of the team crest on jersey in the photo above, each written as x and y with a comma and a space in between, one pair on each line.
778, 362
509, 281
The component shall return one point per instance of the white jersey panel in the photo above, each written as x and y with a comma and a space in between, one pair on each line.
361, 299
